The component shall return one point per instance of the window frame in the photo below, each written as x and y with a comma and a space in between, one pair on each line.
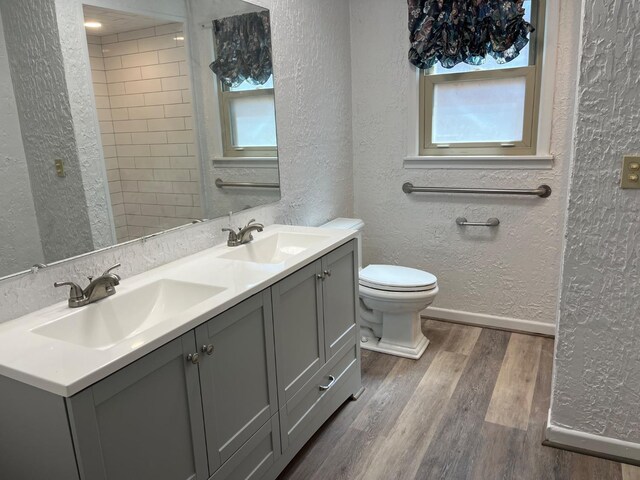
533, 75
225, 96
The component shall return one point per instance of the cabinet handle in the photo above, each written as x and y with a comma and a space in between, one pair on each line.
320, 276
193, 358
208, 349
332, 380
327, 273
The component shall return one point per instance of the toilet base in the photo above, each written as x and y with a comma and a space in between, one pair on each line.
375, 345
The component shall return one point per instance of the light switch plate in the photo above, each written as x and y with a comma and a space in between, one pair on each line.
630, 172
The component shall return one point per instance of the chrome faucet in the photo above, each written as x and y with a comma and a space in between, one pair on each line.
243, 235
98, 288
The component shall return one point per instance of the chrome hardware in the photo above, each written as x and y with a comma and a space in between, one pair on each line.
327, 273
320, 276
332, 380
243, 236
221, 184
193, 358
99, 288
543, 191
208, 349
492, 222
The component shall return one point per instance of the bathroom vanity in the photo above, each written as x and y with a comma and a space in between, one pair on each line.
220, 365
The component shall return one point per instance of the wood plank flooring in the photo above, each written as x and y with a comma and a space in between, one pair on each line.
473, 407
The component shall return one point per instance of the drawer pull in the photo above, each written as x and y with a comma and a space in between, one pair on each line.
208, 349
327, 273
324, 388
193, 358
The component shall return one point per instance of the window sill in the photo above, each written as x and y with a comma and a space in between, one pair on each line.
245, 162
481, 162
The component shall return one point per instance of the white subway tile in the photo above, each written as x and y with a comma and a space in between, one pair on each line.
178, 110
132, 208
195, 175
184, 162
140, 59
119, 114
129, 185
104, 114
123, 75
163, 98
158, 210
116, 198
119, 220
97, 63
135, 232
136, 174
123, 126
155, 186
184, 68
106, 127
133, 150
126, 162
109, 151
100, 89
143, 86
160, 71
123, 138
120, 101
142, 221
171, 150
166, 124
174, 199
115, 187
116, 88
187, 212
149, 138
175, 83
113, 38
157, 42
136, 34
133, 197
108, 139
153, 162
172, 175
112, 63
98, 76
186, 96
138, 113
95, 40
192, 150
186, 187
111, 163
95, 51
170, 222
169, 28
120, 48
113, 175
181, 136
177, 54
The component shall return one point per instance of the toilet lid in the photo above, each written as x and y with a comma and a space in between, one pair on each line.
393, 278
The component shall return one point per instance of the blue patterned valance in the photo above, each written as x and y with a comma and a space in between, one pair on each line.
243, 49
455, 31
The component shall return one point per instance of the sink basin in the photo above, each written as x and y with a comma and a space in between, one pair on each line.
124, 315
274, 249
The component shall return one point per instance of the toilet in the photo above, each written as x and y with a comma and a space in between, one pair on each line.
391, 299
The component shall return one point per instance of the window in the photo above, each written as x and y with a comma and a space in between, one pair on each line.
248, 120
489, 109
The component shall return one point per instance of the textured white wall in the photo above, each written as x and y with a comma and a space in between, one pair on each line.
313, 80
39, 83
597, 367
512, 271
20, 245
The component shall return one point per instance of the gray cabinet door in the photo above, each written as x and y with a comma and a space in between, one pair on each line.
144, 421
297, 318
237, 377
340, 297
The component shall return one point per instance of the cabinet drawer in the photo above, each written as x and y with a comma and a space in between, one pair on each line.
302, 408
255, 457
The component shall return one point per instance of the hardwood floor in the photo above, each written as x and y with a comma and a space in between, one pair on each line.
473, 407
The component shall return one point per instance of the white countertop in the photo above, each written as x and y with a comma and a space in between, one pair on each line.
65, 368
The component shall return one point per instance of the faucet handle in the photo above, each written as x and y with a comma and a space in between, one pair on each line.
232, 233
75, 293
108, 270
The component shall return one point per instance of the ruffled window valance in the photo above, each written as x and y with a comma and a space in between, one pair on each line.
455, 31
243, 49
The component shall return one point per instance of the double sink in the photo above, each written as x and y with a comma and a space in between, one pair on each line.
129, 313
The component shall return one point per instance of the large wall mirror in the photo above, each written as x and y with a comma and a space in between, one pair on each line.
122, 119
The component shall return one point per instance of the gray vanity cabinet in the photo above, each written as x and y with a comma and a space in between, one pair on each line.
339, 296
144, 421
299, 334
237, 376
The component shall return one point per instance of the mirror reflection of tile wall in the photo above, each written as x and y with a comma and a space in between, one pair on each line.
143, 99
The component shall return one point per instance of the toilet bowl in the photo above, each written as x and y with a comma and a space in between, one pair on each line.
391, 299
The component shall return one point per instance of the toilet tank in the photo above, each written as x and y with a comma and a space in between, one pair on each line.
349, 224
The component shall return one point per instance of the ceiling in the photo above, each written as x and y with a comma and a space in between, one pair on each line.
114, 21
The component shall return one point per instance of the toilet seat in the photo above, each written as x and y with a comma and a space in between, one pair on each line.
393, 278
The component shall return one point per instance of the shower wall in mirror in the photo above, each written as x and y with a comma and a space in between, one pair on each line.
124, 119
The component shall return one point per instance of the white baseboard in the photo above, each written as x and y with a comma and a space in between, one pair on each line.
589, 443
493, 321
